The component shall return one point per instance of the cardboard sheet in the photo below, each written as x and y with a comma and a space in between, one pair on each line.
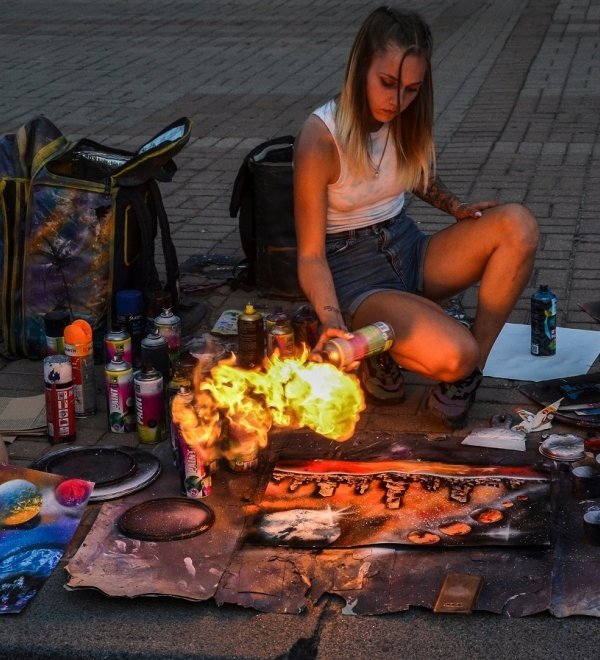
518, 581
188, 568
576, 351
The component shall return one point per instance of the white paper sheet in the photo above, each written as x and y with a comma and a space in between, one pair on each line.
497, 439
576, 351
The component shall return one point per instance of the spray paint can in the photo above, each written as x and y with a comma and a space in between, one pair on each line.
130, 315
182, 399
118, 378
281, 337
60, 398
367, 341
543, 322
251, 338
178, 380
274, 317
118, 341
188, 364
148, 386
54, 325
155, 301
169, 326
155, 351
194, 473
80, 350
306, 327
197, 481
244, 460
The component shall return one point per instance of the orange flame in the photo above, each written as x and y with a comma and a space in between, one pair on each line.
199, 423
289, 392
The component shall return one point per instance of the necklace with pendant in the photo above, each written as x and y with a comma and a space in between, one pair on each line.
378, 168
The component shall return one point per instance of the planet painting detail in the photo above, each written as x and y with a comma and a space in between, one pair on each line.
20, 501
39, 513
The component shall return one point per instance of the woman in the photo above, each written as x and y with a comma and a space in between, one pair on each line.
362, 259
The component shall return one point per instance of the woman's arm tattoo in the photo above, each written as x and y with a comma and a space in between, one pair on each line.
440, 197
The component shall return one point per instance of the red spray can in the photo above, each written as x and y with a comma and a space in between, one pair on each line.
60, 398
79, 348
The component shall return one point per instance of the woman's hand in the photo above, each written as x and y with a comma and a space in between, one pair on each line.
327, 333
473, 209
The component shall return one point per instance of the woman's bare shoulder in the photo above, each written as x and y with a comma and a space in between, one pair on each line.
314, 135
315, 146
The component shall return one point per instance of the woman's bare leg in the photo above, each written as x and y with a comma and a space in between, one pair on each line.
498, 250
428, 341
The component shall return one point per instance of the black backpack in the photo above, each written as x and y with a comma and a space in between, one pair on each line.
79, 222
263, 195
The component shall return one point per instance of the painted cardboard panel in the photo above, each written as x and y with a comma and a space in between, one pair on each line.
324, 503
39, 513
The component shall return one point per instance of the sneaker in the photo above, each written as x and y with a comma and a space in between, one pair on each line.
451, 401
381, 379
454, 308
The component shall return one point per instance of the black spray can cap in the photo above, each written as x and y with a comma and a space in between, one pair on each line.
55, 322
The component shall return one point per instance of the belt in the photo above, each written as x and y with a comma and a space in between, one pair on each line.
361, 231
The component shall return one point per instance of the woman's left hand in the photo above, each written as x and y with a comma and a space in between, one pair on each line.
473, 209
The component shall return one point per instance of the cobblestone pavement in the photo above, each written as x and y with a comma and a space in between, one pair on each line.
517, 87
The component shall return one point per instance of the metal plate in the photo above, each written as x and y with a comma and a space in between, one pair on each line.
166, 519
101, 465
147, 469
565, 448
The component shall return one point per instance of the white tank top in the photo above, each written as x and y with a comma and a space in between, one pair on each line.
355, 201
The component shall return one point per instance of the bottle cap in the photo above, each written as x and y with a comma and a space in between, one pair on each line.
78, 332
55, 323
129, 302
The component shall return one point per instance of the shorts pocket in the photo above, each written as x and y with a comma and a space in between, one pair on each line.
335, 247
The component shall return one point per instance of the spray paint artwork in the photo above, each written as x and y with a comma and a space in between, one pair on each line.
331, 503
39, 513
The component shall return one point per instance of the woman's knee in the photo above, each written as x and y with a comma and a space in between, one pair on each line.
450, 360
520, 226
460, 362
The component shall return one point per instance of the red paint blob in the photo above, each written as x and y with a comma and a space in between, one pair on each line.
73, 492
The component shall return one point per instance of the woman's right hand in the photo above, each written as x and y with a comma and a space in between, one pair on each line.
327, 333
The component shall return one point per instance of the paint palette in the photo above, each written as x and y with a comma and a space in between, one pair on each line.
166, 519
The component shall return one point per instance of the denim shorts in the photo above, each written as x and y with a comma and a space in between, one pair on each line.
382, 257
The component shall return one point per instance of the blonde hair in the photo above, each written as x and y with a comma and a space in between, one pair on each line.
411, 130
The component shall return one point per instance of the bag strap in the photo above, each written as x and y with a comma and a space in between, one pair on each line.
168, 247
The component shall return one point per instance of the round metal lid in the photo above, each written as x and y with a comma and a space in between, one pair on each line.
565, 448
102, 465
147, 470
166, 519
